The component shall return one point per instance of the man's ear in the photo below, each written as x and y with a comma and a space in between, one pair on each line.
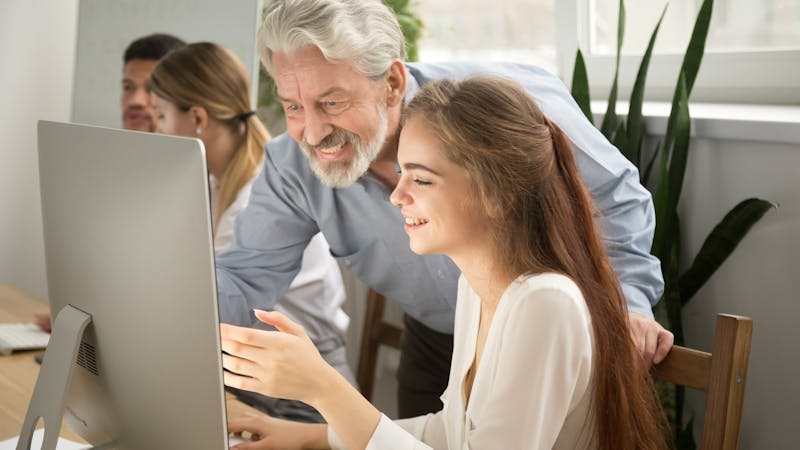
199, 116
396, 83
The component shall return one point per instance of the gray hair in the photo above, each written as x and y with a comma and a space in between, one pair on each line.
363, 33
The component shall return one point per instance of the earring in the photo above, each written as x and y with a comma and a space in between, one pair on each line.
198, 131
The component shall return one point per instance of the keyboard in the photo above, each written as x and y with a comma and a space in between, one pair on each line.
21, 336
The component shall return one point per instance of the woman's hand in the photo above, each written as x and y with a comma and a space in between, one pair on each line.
283, 363
267, 433
286, 364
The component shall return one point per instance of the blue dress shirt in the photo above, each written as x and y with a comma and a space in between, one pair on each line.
289, 205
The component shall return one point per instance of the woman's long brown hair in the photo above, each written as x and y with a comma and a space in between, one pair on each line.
206, 74
524, 174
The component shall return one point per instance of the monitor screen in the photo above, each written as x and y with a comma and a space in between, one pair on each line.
128, 241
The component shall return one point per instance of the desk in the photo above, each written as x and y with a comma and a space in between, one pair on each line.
18, 372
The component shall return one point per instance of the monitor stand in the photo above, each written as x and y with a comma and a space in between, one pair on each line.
52, 384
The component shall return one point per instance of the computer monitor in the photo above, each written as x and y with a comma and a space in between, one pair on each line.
128, 241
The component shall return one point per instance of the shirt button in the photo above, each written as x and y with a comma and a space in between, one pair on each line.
441, 274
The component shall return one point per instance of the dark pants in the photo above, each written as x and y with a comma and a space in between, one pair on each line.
425, 357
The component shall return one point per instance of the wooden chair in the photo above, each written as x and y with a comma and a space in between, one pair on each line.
374, 333
721, 374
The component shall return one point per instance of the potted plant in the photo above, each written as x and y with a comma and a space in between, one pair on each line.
626, 133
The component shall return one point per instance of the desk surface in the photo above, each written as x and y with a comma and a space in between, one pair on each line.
18, 372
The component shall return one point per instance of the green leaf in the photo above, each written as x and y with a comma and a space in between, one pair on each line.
659, 202
609, 124
649, 167
680, 149
635, 123
621, 140
670, 269
693, 56
580, 86
673, 166
620, 28
685, 437
721, 242
697, 44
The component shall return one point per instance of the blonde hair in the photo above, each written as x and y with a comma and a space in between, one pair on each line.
206, 74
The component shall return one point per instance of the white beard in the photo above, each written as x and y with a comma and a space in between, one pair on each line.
340, 174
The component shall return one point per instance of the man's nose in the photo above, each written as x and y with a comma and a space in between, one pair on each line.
316, 128
141, 97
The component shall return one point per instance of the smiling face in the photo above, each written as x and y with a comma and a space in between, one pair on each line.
137, 112
437, 197
337, 115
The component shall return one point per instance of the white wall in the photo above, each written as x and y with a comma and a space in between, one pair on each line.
37, 56
759, 280
738, 152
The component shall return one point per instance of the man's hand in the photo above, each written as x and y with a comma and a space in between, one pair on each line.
651, 339
42, 319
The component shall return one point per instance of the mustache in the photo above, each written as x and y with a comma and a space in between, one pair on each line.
136, 108
336, 138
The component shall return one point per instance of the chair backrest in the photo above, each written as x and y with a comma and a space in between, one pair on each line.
374, 333
721, 374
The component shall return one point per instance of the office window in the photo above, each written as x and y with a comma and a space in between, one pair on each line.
499, 30
735, 25
752, 50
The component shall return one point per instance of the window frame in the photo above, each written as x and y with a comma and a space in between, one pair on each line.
724, 77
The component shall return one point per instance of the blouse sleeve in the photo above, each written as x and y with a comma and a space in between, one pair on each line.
417, 433
543, 370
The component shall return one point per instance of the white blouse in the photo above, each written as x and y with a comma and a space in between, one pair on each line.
223, 234
531, 389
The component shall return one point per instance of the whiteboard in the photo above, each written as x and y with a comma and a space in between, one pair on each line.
106, 28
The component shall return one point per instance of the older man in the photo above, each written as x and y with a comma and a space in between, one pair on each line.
339, 70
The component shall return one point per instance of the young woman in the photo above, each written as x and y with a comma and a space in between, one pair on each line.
202, 91
543, 356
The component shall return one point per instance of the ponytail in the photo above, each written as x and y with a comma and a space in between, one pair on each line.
208, 75
244, 163
625, 401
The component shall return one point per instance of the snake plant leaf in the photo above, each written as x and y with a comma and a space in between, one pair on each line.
680, 149
659, 202
645, 176
685, 437
697, 44
670, 270
621, 140
673, 159
620, 28
609, 125
635, 124
580, 86
721, 242
694, 52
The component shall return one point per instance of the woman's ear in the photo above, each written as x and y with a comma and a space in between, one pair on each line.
396, 83
200, 118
